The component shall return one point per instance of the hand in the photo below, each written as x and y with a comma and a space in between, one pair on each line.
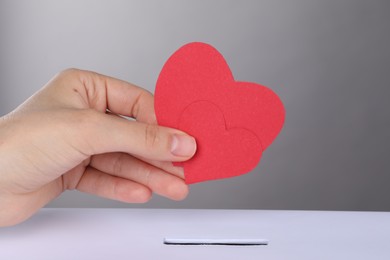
72, 135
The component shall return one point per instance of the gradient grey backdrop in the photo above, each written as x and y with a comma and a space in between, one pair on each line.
328, 60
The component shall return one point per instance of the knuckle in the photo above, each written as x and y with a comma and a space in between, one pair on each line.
69, 72
80, 127
147, 174
151, 136
118, 164
137, 106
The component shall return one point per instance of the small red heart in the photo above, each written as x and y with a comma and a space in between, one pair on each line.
233, 122
233, 145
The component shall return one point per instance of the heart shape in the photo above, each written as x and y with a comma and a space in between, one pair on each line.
217, 143
233, 122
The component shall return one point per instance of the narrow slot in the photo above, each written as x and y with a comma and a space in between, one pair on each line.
216, 241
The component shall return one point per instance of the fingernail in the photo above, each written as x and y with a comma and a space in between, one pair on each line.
183, 145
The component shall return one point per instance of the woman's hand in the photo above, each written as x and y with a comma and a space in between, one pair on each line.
72, 135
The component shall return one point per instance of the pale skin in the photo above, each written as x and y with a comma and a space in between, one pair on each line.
70, 135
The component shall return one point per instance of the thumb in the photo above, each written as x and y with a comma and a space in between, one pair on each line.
103, 133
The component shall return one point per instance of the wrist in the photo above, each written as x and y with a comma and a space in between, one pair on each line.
9, 214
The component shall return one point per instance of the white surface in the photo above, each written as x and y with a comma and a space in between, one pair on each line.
139, 234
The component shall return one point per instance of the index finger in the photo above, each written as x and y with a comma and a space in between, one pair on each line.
129, 100
120, 97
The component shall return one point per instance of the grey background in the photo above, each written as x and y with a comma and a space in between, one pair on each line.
328, 60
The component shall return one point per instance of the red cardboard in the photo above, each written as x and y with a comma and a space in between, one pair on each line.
233, 122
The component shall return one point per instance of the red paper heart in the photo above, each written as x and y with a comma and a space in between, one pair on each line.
196, 93
217, 142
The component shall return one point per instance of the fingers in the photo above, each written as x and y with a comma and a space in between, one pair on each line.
102, 92
165, 166
127, 99
99, 133
127, 167
102, 134
99, 183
